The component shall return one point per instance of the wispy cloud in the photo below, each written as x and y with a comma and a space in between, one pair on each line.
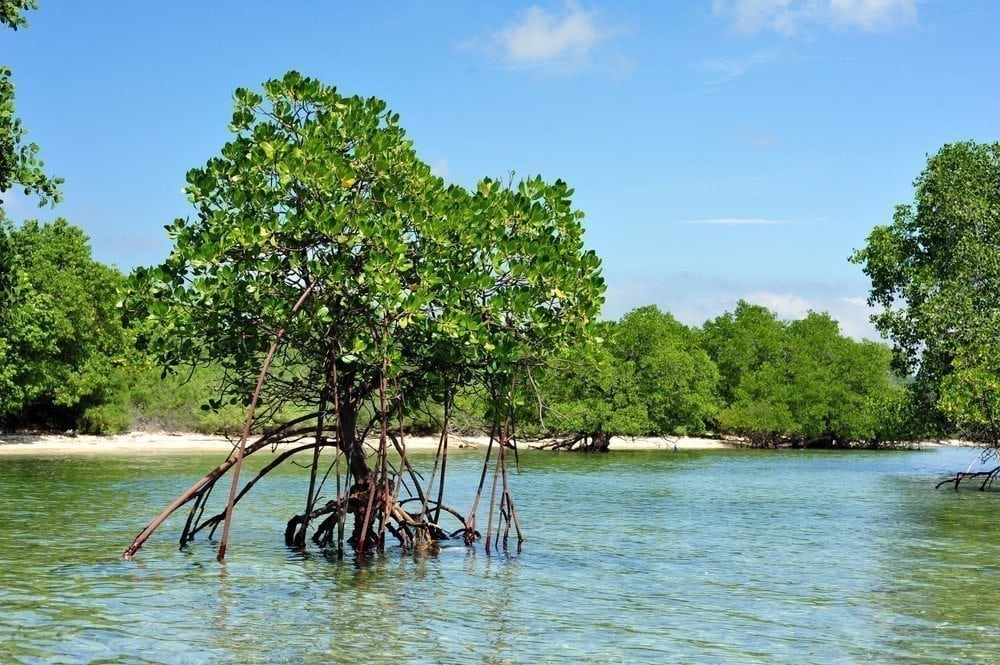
756, 137
694, 299
567, 39
852, 313
873, 14
751, 221
726, 69
440, 168
791, 17
735, 221
786, 305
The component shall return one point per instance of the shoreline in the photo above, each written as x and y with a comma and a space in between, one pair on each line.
153, 443
173, 442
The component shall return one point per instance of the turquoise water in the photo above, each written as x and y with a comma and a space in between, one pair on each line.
689, 557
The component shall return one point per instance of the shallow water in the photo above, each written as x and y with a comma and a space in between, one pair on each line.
693, 557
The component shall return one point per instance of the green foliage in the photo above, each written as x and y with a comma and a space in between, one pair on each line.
11, 12
320, 200
19, 163
60, 333
470, 413
740, 343
644, 375
900, 415
106, 418
172, 402
673, 374
935, 273
585, 391
801, 382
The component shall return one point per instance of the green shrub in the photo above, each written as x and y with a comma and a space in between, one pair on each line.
108, 418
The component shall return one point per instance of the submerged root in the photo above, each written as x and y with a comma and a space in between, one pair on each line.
413, 531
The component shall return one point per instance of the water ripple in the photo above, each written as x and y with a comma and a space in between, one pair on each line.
716, 557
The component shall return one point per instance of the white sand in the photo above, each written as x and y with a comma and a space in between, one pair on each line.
666, 443
135, 442
166, 442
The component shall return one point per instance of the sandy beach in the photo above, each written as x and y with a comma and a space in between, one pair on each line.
131, 443
168, 442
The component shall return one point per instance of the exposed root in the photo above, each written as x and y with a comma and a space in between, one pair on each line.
372, 504
200, 490
368, 486
588, 443
987, 476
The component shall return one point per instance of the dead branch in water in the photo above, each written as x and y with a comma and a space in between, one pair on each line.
987, 476
596, 442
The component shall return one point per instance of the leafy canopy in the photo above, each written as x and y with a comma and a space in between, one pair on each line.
321, 200
643, 375
801, 382
19, 162
935, 273
11, 12
60, 330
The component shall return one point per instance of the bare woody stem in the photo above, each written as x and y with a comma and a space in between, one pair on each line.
241, 449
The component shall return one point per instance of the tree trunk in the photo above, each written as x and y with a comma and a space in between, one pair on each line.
599, 442
350, 443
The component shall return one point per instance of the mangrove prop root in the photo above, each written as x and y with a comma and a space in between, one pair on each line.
373, 503
411, 530
587, 443
241, 449
192, 529
987, 476
206, 483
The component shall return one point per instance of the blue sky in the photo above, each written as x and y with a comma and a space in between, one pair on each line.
720, 149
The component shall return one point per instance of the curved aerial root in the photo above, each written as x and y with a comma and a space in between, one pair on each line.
199, 491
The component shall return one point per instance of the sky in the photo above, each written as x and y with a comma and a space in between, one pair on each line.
720, 149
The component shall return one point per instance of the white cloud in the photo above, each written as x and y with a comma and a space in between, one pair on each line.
540, 36
854, 316
790, 17
566, 39
439, 167
694, 299
873, 14
752, 16
852, 313
785, 305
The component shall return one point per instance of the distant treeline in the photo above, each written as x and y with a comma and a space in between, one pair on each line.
70, 359
744, 373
